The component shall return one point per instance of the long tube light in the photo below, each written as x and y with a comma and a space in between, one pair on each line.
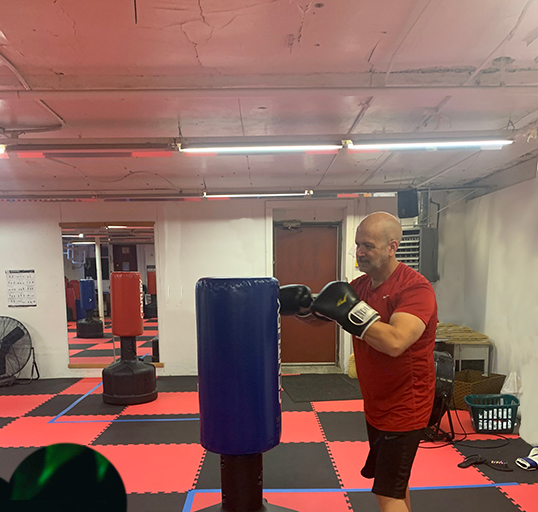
299, 148
432, 146
483, 144
123, 150
284, 194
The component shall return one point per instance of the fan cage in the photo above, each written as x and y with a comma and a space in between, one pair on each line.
17, 355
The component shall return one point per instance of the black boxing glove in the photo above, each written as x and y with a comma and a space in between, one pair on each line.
295, 299
339, 302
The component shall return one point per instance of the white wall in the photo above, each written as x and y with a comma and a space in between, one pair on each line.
489, 263
451, 262
30, 239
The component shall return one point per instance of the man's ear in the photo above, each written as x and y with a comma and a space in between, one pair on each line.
393, 244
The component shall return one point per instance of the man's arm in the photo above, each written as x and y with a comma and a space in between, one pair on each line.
397, 336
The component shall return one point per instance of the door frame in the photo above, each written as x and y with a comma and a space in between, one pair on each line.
322, 211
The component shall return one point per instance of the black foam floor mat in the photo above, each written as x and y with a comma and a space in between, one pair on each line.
38, 387
320, 388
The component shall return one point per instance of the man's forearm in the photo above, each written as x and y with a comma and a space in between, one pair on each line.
385, 338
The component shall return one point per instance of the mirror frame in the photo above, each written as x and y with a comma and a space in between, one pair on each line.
74, 225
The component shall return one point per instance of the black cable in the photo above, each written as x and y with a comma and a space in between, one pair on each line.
466, 434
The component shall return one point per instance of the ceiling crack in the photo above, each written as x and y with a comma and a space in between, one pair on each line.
372, 52
226, 24
73, 23
204, 20
301, 25
194, 44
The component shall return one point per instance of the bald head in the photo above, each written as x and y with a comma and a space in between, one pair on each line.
384, 225
377, 239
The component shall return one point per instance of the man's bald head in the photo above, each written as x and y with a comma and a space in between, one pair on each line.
378, 237
384, 224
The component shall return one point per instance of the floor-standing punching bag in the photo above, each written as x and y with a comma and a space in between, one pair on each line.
128, 381
238, 328
88, 327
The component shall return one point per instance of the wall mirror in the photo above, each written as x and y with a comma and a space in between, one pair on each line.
91, 251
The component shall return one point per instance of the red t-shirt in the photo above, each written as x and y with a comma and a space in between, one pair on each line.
398, 392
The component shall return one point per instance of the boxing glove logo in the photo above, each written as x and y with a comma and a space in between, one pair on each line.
341, 301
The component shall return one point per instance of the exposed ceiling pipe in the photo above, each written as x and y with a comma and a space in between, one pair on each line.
78, 94
39, 101
166, 195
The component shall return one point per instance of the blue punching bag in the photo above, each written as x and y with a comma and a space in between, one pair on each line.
238, 328
87, 294
88, 327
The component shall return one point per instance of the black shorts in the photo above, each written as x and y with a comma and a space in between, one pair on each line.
390, 459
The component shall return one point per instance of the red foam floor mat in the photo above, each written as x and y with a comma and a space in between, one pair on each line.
339, 406
523, 495
438, 467
16, 405
168, 403
35, 431
301, 427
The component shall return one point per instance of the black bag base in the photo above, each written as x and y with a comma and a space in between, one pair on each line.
129, 382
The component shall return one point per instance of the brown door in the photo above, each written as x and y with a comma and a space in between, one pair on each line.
307, 255
124, 258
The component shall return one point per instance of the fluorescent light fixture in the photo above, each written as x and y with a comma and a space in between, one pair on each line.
284, 194
261, 149
384, 194
82, 243
117, 227
432, 146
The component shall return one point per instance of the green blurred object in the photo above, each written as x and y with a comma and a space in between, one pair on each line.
75, 476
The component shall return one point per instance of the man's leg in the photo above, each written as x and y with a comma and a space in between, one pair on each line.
393, 505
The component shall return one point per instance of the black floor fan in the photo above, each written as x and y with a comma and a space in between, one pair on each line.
444, 390
15, 351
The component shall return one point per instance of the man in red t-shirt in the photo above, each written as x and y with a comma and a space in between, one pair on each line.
392, 313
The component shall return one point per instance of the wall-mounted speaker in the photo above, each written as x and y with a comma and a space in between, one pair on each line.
407, 204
